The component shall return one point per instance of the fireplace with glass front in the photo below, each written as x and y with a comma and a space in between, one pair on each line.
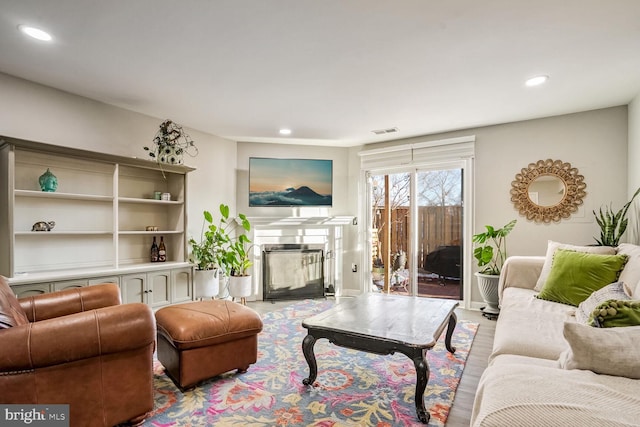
292, 271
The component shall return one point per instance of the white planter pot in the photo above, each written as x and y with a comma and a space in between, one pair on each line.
488, 285
207, 283
240, 286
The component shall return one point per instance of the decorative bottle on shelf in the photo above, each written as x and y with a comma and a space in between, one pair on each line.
162, 251
154, 251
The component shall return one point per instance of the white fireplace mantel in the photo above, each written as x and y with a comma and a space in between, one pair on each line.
324, 231
279, 222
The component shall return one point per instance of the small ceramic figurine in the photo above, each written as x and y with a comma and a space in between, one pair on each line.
43, 226
48, 182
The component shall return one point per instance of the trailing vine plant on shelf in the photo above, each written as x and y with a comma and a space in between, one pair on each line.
170, 144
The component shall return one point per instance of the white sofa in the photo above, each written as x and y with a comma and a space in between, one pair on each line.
525, 383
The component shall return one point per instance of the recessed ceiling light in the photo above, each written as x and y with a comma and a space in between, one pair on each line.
36, 33
537, 80
285, 131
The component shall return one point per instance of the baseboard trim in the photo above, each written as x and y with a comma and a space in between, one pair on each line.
476, 305
350, 293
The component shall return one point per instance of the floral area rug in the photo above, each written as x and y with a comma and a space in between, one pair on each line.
353, 388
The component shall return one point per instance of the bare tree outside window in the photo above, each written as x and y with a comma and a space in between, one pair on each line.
435, 221
399, 196
440, 188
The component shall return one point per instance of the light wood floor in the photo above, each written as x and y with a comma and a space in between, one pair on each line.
476, 363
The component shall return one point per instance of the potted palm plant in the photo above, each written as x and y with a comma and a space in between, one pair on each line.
490, 253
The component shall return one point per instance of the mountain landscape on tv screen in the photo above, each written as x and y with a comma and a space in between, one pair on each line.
301, 196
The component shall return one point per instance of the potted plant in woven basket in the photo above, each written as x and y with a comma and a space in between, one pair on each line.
490, 253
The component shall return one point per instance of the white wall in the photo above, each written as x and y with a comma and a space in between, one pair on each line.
595, 142
634, 145
344, 197
633, 230
39, 113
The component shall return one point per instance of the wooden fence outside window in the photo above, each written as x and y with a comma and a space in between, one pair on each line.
437, 225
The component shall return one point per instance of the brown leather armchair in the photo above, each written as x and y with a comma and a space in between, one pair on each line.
83, 348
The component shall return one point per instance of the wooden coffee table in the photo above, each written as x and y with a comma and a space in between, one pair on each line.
384, 324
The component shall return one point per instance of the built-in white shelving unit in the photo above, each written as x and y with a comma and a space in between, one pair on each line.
101, 208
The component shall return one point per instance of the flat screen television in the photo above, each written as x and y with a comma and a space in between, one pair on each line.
290, 182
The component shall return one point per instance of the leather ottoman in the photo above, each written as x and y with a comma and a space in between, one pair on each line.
200, 340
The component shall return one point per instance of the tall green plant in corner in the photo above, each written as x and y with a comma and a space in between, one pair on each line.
613, 225
491, 251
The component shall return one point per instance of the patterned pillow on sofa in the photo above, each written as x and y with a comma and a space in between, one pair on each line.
614, 291
615, 314
631, 273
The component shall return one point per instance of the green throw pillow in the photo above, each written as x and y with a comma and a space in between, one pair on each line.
612, 314
575, 275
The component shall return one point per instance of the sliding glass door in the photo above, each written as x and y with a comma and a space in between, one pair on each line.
439, 233
416, 223
390, 196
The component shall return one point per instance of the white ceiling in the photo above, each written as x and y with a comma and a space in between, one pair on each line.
331, 70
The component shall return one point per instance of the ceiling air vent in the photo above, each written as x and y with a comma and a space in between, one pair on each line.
383, 131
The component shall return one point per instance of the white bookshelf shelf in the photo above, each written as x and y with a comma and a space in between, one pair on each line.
150, 233
57, 233
101, 207
62, 196
149, 201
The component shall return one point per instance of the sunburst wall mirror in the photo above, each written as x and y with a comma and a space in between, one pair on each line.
548, 191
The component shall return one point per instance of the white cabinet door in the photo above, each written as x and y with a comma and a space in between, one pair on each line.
69, 284
23, 291
158, 288
107, 279
134, 288
182, 285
